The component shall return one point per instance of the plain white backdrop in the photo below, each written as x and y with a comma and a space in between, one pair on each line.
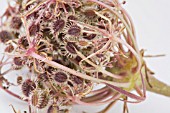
152, 22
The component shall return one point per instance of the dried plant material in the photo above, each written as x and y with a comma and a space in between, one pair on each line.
69, 46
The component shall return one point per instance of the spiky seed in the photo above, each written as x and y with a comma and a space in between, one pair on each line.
34, 98
27, 87
77, 80
23, 42
58, 25
74, 30
71, 47
18, 61
34, 28
5, 36
89, 13
16, 22
89, 36
43, 77
9, 48
43, 100
60, 77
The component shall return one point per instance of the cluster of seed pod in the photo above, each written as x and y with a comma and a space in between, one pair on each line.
83, 36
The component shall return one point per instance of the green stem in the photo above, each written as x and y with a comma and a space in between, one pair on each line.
158, 86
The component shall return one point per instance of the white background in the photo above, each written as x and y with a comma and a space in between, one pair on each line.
152, 23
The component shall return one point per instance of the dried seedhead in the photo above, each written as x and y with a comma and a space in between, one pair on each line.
70, 46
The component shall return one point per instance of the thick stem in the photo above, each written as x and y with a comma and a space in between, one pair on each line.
158, 86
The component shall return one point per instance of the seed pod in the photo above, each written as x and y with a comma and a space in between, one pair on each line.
43, 100
52, 109
74, 30
58, 25
27, 87
9, 48
16, 22
89, 36
44, 77
23, 42
34, 28
90, 13
5, 36
71, 47
60, 77
77, 80
18, 61
34, 98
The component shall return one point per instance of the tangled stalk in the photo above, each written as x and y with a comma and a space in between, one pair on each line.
69, 47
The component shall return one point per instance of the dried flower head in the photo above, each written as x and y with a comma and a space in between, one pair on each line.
70, 46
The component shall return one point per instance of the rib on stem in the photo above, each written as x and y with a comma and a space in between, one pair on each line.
158, 86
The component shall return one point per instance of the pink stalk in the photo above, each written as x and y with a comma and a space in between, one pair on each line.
78, 101
128, 94
124, 22
59, 66
11, 93
99, 90
96, 97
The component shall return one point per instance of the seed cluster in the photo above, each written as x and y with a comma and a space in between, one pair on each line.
69, 46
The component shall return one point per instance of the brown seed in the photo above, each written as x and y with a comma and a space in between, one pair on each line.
89, 36
18, 61
43, 100
23, 42
43, 77
60, 77
90, 13
27, 87
77, 80
74, 30
58, 25
9, 48
33, 29
78, 59
71, 47
83, 43
34, 98
71, 17
5, 36
16, 22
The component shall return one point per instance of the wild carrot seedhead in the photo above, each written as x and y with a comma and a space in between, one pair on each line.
69, 46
